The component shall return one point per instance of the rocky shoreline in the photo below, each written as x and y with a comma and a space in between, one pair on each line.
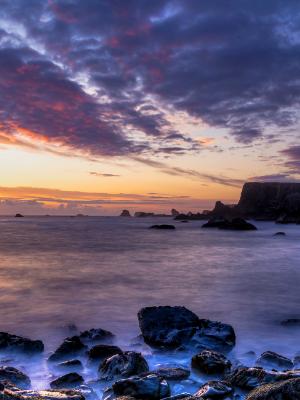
126, 375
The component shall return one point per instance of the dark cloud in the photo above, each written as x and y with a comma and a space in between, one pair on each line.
292, 155
93, 74
103, 175
281, 177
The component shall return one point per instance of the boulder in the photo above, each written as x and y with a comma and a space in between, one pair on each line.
168, 327
70, 366
68, 381
93, 336
163, 227
102, 351
70, 347
42, 395
269, 359
287, 390
18, 215
14, 377
150, 387
235, 224
211, 362
123, 365
125, 213
214, 390
279, 234
10, 342
172, 373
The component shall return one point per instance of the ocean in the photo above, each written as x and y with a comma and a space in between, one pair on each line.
57, 272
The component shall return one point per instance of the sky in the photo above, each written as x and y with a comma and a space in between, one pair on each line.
145, 105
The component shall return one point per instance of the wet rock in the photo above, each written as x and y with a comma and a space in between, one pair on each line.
168, 327
70, 347
102, 351
71, 366
163, 227
125, 213
172, 373
10, 342
185, 396
124, 365
236, 224
18, 215
15, 377
291, 322
215, 390
150, 387
287, 390
68, 381
270, 359
93, 336
279, 234
296, 361
210, 362
42, 395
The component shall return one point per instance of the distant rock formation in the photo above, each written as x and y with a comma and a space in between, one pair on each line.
174, 212
125, 213
143, 214
19, 215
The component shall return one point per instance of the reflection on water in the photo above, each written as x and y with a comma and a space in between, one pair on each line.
97, 272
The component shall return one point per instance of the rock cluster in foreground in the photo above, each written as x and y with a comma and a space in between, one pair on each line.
126, 375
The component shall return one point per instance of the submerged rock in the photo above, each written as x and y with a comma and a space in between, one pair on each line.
42, 395
124, 365
235, 224
214, 390
168, 327
93, 336
287, 390
70, 347
210, 362
10, 342
270, 359
291, 322
15, 377
71, 366
163, 227
18, 215
102, 351
279, 234
172, 373
150, 387
68, 381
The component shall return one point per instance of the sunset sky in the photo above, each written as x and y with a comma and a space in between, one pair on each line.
145, 105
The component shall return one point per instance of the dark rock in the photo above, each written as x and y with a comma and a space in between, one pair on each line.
102, 351
215, 390
142, 214
168, 327
211, 362
14, 377
96, 336
150, 387
174, 212
18, 215
71, 366
163, 227
190, 217
10, 342
279, 234
68, 381
125, 213
185, 396
291, 322
236, 224
123, 365
71, 346
270, 359
43, 395
172, 373
287, 390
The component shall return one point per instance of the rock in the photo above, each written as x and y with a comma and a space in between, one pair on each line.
71, 366
287, 390
125, 213
10, 342
14, 377
68, 381
215, 390
43, 395
123, 365
211, 362
185, 396
236, 224
163, 227
142, 214
291, 322
93, 336
172, 373
150, 387
174, 212
18, 215
270, 359
168, 327
279, 234
71, 346
102, 351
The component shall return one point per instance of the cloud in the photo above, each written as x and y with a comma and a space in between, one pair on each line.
280, 177
103, 175
292, 155
97, 76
